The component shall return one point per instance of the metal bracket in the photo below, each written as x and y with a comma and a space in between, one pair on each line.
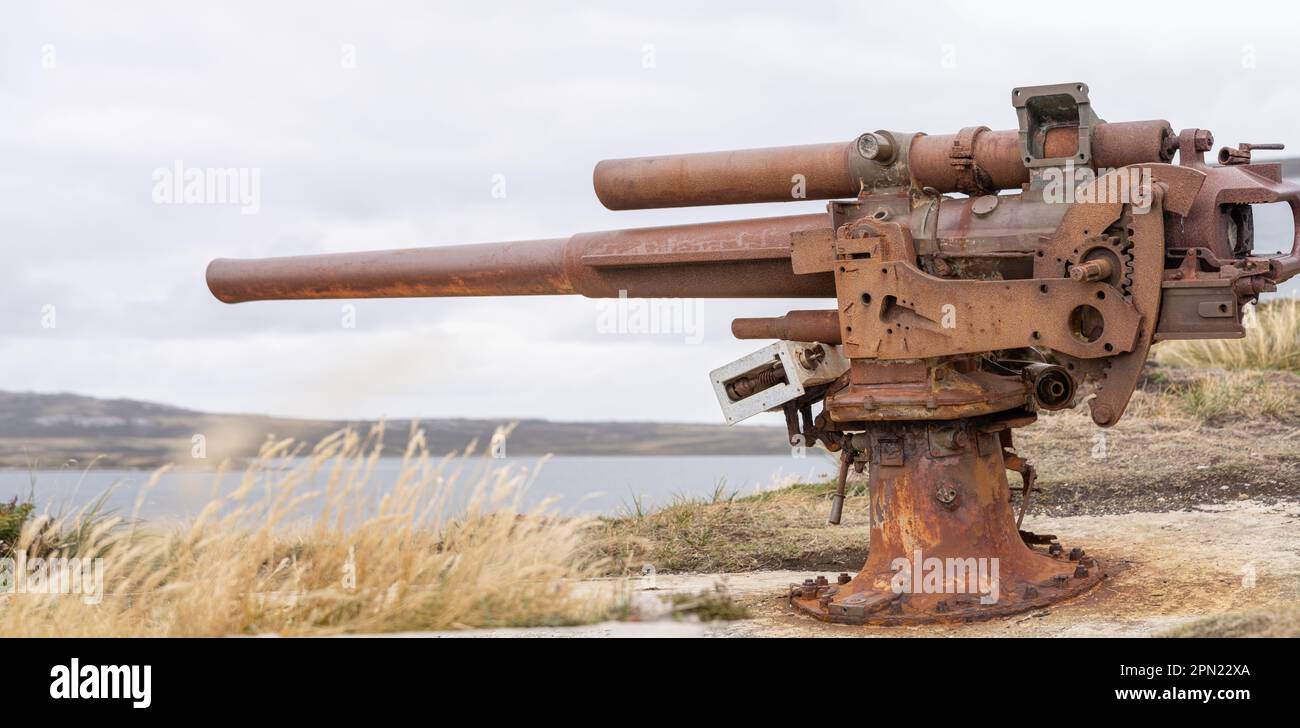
1043, 108
971, 180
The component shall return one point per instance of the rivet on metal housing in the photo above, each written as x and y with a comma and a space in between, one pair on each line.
946, 494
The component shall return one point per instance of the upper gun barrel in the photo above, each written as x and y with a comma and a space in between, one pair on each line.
733, 259
838, 170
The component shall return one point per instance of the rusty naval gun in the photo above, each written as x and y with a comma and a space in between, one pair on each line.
977, 278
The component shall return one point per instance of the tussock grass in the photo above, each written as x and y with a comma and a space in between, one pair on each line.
1277, 621
1215, 396
709, 605
12, 517
1272, 342
1229, 378
782, 528
253, 562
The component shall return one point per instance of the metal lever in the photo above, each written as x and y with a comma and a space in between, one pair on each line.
1241, 155
837, 500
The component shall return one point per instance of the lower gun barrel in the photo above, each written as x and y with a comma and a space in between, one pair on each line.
529, 267
733, 259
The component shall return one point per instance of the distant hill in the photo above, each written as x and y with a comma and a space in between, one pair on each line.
47, 430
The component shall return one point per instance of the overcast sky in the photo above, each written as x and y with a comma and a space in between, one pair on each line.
379, 125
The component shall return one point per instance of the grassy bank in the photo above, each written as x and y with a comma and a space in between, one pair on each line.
781, 529
403, 562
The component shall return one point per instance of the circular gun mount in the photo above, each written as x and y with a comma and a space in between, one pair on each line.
944, 543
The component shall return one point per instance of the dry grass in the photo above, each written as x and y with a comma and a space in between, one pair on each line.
1213, 396
406, 559
1281, 620
1272, 342
12, 517
777, 529
709, 605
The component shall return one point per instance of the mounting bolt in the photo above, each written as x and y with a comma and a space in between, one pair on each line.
1080, 572
941, 606
1030, 591
1168, 144
1076, 554
946, 494
1102, 414
1054, 549
1203, 140
811, 357
821, 581
843, 579
950, 438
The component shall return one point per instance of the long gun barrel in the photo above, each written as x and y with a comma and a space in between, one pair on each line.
740, 259
529, 267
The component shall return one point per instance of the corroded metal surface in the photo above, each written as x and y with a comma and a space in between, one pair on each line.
837, 170
821, 326
1141, 240
734, 259
725, 178
531, 267
944, 541
889, 309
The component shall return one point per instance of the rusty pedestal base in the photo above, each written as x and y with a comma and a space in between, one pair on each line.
944, 542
